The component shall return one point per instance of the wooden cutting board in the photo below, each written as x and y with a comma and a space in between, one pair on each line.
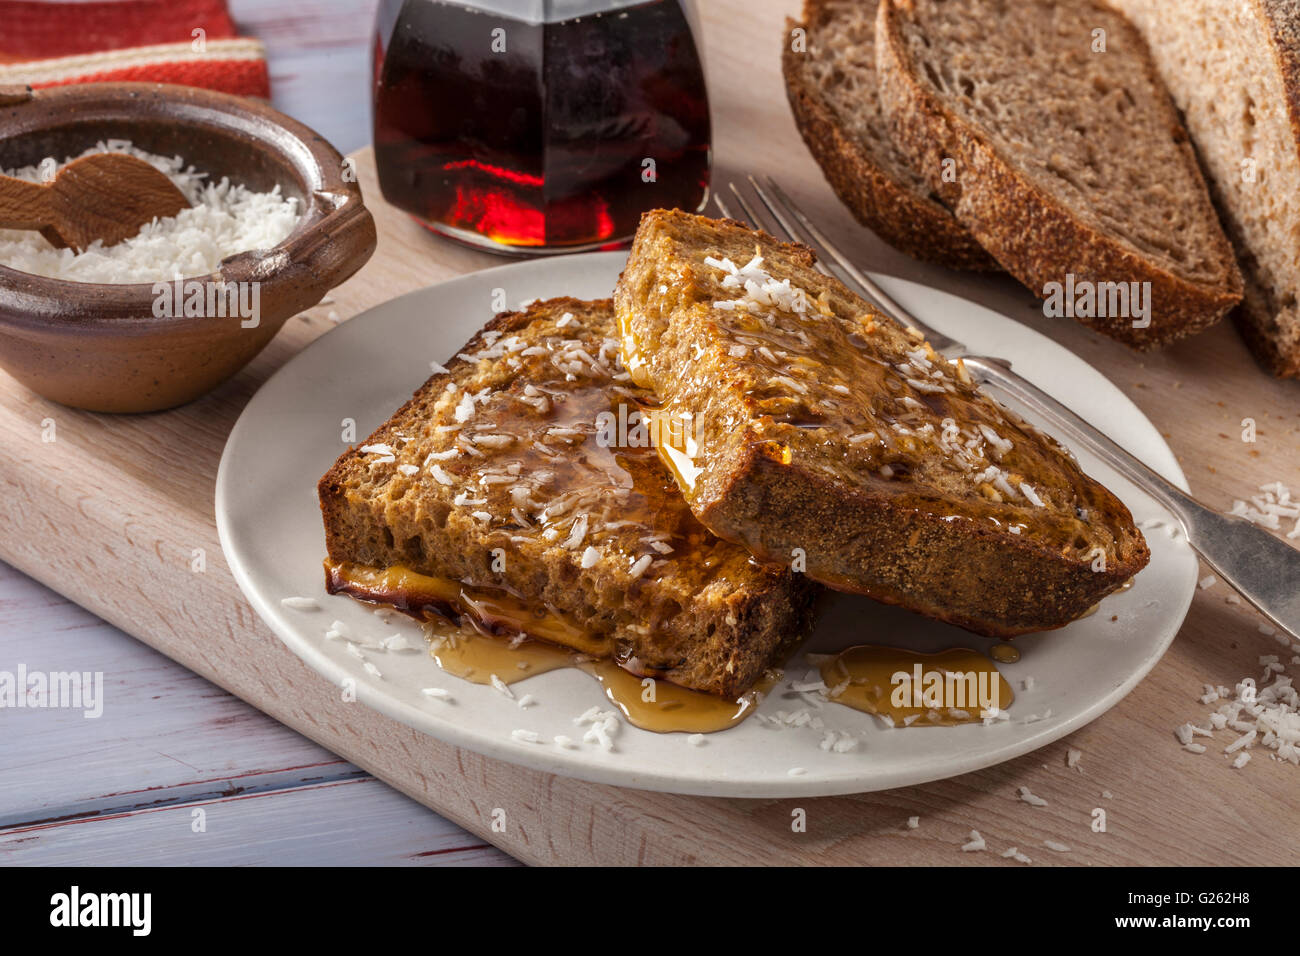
116, 510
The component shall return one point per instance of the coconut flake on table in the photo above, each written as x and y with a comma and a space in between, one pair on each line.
1263, 712
1031, 798
1268, 509
224, 219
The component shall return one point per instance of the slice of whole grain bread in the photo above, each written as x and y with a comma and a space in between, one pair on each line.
1044, 128
830, 79
825, 435
1234, 71
517, 479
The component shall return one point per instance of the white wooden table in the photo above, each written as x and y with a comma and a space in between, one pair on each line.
175, 770
124, 787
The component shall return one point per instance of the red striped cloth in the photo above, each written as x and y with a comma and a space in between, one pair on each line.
192, 42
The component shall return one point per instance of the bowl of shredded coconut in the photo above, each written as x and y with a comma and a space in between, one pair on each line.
275, 220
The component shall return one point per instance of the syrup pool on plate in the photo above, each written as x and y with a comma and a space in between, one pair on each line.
942, 689
647, 703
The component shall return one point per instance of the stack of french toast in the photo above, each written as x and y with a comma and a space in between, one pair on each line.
668, 478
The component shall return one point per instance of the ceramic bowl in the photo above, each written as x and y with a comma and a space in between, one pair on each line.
102, 347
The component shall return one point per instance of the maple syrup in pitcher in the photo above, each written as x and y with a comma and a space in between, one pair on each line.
539, 125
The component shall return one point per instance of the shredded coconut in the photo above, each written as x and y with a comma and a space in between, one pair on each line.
1031, 799
223, 219
1262, 713
1269, 508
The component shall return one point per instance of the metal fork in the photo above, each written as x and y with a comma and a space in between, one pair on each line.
1264, 569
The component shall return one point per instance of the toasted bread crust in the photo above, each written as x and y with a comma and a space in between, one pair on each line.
910, 222
714, 631
964, 573
903, 525
1033, 235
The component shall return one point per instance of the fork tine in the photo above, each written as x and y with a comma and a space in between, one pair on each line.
821, 243
749, 216
786, 228
791, 233
722, 206
745, 204
806, 232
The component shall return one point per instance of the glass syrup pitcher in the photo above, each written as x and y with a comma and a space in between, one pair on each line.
539, 126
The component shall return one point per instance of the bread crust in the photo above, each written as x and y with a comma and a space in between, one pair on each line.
916, 225
709, 634
1257, 318
985, 580
1034, 236
1276, 349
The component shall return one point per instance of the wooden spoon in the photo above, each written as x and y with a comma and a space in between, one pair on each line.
106, 196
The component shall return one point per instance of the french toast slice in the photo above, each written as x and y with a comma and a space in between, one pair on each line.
823, 435
519, 491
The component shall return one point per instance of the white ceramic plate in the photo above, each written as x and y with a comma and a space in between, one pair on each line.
270, 527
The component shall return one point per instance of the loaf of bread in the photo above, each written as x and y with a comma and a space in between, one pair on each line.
824, 435
516, 491
1044, 128
830, 79
1234, 71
